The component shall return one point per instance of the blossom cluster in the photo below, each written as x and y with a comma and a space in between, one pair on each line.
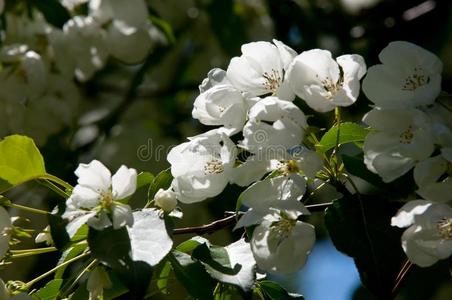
411, 128
40, 61
259, 141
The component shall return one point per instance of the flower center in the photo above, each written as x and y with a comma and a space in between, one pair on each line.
445, 228
281, 230
330, 87
215, 166
407, 136
272, 80
220, 108
106, 199
415, 80
288, 167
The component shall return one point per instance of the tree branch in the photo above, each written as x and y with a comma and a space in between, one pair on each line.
232, 219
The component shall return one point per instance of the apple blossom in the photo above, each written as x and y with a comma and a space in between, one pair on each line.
165, 199
324, 83
126, 23
281, 244
409, 76
280, 193
5, 231
274, 126
97, 195
261, 68
87, 46
400, 139
24, 75
202, 167
433, 176
429, 234
223, 105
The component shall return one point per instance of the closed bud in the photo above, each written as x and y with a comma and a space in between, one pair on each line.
165, 199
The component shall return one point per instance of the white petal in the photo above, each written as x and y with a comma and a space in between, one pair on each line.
429, 170
437, 191
122, 216
94, 175
415, 253
84, 197
124, 183
287, 54
405, 216
128, 44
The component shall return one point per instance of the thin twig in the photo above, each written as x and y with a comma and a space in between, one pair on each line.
231, 219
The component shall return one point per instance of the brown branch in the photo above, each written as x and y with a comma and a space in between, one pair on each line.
230, 220
208, 228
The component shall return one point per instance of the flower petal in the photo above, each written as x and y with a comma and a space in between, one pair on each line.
124, 183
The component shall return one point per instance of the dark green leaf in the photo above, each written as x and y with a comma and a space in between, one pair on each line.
50, 290
348, 133
191, 275
355, 166
110, 246
161, 181
216, 257
162, 280
58, 230
273, 291
364, 232
67, 255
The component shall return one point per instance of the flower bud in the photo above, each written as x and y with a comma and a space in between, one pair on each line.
165, 199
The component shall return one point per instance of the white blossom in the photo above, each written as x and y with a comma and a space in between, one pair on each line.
429, 234
324, 83
5, 231
221, 105
166, 199
274, 126
261, 68
44, 236
281, 244
433, 176
400, 139
127, 25
409, 76
86, 44
264, 197
96, 196
201, 167
24, 74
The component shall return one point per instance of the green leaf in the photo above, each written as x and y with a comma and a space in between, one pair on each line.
144, 178
149, 239
110, 246
192, 275
364, 232
355, 166
216, 258
55, 13
20, 161
273, 291
67, 255
162, 280
50, 291
191, 244
161, 181
165, 27
348, 133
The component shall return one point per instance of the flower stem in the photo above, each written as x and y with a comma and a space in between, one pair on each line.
53, 187
50, 272
31, 252
59, 181
23, 207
